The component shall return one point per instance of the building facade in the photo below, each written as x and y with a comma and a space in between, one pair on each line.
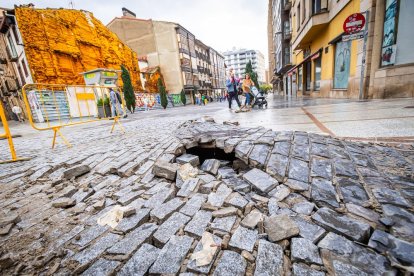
237, 59
185, 62
218, 69
327, 65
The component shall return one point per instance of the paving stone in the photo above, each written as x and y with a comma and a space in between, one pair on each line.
280, 192
205, 269
299, 269
320, 150
128, 198
193, 205
223, 224
269, 260
345, 168
188, 158
272, 206
230, 144
363, 212
309, 230
352, 191
243, 149
389, 196
252, 219
279, 227
304, 250
225, 212
133, 240
282, 148
145, 168
342, 224
165, 170
321, 168
238, 184
162, 212
226, 172
159, 198
399, 249
156, 188
258, 199
344, 269
230, 264
236, 200
130, 223
323, 193
169, 228
402, 221
76, 171
299, 170
300, 151
141, 261
68, 191
87, 255
63, 202
211, 166
217, 198
171, 255
189, 186
304, 208
243, 239
198, 224
258, 155
277, 166
90, 234
260, 180
297, 185
10, 219
101, 267
344, 249
82, 195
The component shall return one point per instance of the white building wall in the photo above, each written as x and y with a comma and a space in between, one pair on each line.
237, 59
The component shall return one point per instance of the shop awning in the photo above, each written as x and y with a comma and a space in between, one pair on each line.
310, 57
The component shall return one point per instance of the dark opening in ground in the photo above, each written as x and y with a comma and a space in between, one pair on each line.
211, 153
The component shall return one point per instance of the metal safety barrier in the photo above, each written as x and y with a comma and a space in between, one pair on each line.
7, 135
53, 106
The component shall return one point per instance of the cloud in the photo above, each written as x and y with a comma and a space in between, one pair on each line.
221, 24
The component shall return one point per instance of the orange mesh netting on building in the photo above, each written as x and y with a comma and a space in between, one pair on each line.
61, 43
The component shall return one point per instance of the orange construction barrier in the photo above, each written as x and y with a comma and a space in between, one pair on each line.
53, 106
8, 136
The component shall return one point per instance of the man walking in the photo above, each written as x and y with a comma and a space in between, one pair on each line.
232, 84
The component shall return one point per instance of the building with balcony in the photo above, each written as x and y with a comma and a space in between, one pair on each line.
238, 58
184, 62
326, 65
280, 35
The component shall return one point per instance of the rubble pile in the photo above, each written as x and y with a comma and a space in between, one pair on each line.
226, 200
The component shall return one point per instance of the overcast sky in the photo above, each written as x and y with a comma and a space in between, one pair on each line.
221, 24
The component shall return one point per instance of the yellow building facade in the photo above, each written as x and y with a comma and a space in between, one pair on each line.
323, 65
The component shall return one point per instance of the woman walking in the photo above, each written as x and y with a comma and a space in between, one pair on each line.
232, 83
247, 84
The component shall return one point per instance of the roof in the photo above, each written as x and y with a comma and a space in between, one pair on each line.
100, 70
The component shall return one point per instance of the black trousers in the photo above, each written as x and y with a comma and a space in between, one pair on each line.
235, 96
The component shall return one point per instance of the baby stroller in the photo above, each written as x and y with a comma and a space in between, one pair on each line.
258, 98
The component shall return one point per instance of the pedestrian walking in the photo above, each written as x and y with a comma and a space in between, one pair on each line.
203, 98
247, 84
116, 108
145, 100
18, 112
232, 83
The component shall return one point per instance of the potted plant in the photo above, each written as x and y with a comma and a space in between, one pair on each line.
104, 109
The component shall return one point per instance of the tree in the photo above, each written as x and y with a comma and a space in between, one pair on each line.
265, 88
183, 98
128, 89
253, 74
163, 94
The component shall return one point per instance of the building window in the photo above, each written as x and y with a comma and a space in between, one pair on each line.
26, 72
11, 44
21, 75
318, 69
304, 11
342, 61
308, 73
16, 36
298, 17
300, 73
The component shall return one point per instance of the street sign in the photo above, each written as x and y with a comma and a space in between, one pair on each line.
354, 23
354, 36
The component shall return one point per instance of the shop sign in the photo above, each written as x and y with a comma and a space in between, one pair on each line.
354, 36
354, 23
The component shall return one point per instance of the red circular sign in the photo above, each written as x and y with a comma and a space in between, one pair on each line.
354, 23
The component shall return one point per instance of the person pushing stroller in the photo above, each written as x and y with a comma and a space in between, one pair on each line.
247, 85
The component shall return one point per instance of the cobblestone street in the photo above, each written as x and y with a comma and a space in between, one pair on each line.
173, 196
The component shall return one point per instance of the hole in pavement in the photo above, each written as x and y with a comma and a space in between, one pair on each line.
204, 153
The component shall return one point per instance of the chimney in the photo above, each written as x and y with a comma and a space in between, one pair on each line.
128, 13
